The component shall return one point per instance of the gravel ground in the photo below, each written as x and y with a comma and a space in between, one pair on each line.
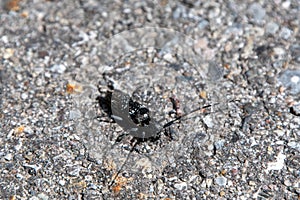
61, 59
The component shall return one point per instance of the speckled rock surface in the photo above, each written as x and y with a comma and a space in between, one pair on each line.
60, 60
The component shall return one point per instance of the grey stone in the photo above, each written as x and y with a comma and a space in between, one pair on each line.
291, 80
43, 196
295, 109
219, 144
295, 51
58, 68
208, 121
294, 145
180, 186
271, 28
24, 96
75, 114
257, 11
28, 130
8, 157
203, 24
285, 33
221, 181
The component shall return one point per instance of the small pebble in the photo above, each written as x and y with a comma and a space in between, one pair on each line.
252, 183
291, 80
280, 142
278, 51
28, 130
287, 183
285, 33
24, 96
272, 28
278, 164
294, 145
279, 132
43, 54
4, 39
295, 79
214, 71
286, 4
93, 187
208, 121
169, 57
295, 51
222, 193
213, 13
203, 24
221, 181
219, 144
62, 182
88, 178
178, 12
8, 157
180, 186
18, 146
127, 10
47, 75
257, 11
43, 196
74, 114
19, 176
34, 167
208, 182
58, 68
74, 172
8, 53
34, 198
272, 100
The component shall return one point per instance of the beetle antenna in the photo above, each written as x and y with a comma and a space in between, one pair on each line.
122, 166
185, 115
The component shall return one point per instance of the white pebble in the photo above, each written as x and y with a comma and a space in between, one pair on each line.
286, 4
285, 33
294, 145
295, 79
62, 182
180, 186
19, 176
4, 39
74, 114
278, 165
24, 96
221, 181
169, 57
43, 196
8, 157
58, 68
208, 121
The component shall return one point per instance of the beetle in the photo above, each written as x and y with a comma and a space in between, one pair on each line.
135, 119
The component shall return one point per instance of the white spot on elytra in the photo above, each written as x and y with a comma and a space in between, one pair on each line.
117, 117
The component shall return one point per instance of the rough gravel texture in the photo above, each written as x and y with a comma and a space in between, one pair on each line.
60, 59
